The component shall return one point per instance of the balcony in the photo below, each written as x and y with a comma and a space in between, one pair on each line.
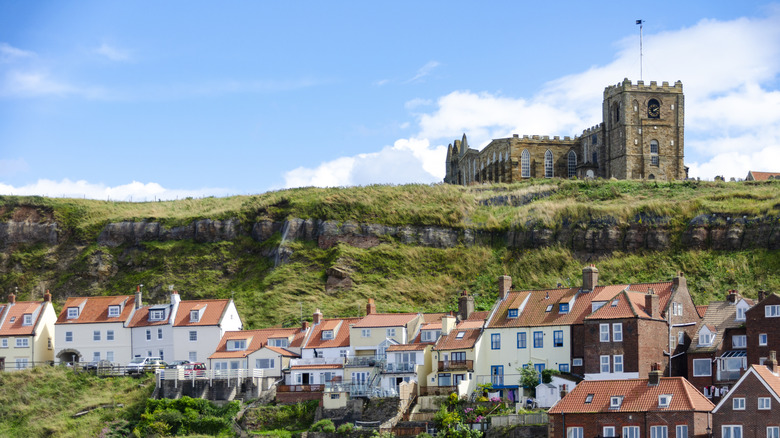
401, 367
498, 381
364, 361
300, 388
438, 390
317, 361
456, 365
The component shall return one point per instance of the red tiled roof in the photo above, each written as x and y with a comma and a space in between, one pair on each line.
771, 379
702, 310
481, 316
211, 316
340, 329
256, 339
431, 326
451, 341
385, 320
763, 176
95, 309
17, 312
470, 324
435, 317
637, 395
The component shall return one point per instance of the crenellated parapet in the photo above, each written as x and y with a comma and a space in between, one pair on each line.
640, 86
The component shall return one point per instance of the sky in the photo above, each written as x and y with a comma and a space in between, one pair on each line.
149, 100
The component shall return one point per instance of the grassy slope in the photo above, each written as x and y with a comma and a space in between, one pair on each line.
41, 402
399, 277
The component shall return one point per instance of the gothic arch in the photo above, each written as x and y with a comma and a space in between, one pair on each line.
525, 164
548, 164
572, 164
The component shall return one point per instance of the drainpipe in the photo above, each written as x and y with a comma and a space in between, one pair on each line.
563, 426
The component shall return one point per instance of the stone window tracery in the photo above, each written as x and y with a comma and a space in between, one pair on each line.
548, 164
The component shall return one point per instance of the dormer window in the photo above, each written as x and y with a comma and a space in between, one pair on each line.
563, 308
430, 335
615, 402
27, 319
740, 314
156, 315
664, 400
327, 334
512, 313
194, 315
73, 312
113, 311
589, 398
236, 344
283, 342
460, 335
705, 339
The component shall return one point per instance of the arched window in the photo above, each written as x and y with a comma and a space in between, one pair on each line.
651, 177
616, 111
572, 163
595, 158
548, 164
654, 152
653, 109
525, 164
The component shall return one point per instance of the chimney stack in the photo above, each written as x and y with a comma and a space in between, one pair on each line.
317, 317
679, 281
761, 295
11, 299
304, 326
447, 324
175, 298
138, 297
652, 304
47, 297
504, 285
590, 278
654, 377
771, 363
370, 307
732, 296
465, 306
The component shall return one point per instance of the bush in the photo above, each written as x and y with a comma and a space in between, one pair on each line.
325, 425
346, 428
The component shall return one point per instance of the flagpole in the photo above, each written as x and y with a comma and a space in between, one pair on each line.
639, 22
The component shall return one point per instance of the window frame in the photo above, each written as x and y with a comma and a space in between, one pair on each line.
96, 335
549, 164
616, 363
574, 432
557, 338
681, 431
522, 341
511, 313
68, 335
709, 367
73, 313
109, 335
731, 428
193, 336
630, 431
774, 313
114, 311
773, 432
617, 335
572, 164
22, 343
495, 341
738, 404
659, 431
538, 339
603, 363
365, 333
763, 339
604, 332
742, 341
525, 164
766, 402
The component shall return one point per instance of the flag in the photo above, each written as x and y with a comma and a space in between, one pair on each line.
639, 21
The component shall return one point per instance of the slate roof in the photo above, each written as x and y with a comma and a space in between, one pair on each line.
637, 395
385, 320
211, 316
340, 334
256, 339
720, 316
95, 309
16, 312
451, 341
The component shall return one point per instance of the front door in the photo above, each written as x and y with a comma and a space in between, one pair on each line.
497, 375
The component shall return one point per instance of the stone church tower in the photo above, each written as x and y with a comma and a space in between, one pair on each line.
641, 137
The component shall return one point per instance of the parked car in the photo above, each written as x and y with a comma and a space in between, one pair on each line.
196, 369
144, 364
95, 364
177, 364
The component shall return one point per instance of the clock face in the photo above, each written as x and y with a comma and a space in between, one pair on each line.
654, 110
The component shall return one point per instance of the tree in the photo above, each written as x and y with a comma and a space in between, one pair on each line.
529, 378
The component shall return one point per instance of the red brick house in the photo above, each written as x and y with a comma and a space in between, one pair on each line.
750, 409
655, 407
718, 350
640, 325
763, 328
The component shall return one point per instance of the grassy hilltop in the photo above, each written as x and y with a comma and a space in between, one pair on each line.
400, 277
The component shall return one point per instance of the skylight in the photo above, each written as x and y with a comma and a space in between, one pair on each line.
549, 308
664, 400
614, 303
615, 401
589, 398
460, 335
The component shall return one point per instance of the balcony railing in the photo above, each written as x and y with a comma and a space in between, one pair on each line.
364, 361
499, 380
317, 361
438, 390
401, 367
455, 365
300, 388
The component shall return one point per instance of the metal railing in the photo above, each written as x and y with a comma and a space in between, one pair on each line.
364, 361
515, 419
438, 390
300, 388
452, 365
400, 367
499, 380
317, 361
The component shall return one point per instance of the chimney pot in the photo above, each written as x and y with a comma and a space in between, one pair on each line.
317, 317
654, 377
504, 285
370, 307
761, 295
47, 296
138, 303
11, 299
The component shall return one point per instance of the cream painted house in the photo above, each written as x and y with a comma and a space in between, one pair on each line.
199, 325
26, 333
454, 358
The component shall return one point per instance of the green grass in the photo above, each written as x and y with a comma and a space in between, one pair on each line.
42, 401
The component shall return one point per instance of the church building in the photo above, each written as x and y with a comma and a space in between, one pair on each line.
640, 137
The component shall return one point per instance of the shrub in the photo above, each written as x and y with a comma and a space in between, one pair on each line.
346, 428
325, 425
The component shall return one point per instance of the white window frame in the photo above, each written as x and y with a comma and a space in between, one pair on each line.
734, 431
365, 333
705, 339
742, 341
576, 362
738, 403
709, 367
194, 315
27, 319
110, 356
327, 334
617, 363
22, 342
574, 432
763, 339
608, 431
193, 336
664, 400
148, 334
236, 344
617, 332
604, 332
764, 403
113, 311
96, 335
681, 431
549, 164
159, 333
525, 164
96, 356
604, 364
109, 335
773, 432
680, 338
68, 336
659, 432
390, 332
772, 311
156, 314
630, 431
192, 356
740, 314
615, 401
73, 312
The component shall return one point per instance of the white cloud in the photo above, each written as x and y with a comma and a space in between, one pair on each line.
9, 53
17, 83
112, 53
135, 191
408, 160
424, 71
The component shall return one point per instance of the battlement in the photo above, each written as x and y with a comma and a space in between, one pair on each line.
627, 85
592, 130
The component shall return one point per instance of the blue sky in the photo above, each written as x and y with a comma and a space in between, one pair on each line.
148, 100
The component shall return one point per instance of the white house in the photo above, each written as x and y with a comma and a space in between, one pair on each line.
198, 327
151, 329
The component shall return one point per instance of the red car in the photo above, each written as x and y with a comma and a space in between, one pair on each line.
197, 369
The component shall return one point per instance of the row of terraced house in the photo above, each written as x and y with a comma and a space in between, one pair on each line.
649, 332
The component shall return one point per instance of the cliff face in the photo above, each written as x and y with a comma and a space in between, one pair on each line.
602, 236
